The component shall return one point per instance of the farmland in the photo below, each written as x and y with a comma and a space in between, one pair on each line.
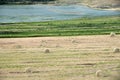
77, 49
69, 58
83, 26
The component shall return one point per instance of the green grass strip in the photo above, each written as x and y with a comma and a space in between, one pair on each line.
75, 27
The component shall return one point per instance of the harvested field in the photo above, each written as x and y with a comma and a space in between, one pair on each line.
70, 58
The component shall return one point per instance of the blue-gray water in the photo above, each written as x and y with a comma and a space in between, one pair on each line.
35, 13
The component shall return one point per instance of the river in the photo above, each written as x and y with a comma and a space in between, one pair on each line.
36, 13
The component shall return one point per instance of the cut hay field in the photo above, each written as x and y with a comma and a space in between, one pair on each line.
70, 58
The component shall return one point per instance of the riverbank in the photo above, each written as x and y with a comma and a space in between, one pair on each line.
97, 4
76, 27
102, 8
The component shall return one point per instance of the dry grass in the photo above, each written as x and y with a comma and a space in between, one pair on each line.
70, 61
104, 4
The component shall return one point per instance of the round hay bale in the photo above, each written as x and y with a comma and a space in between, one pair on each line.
73, 41
28, 70
47, 51
116, 50
99, 73
112, 34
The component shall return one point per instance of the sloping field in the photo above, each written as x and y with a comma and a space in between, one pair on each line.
104, 4
68, 58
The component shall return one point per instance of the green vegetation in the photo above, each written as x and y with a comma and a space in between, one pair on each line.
83, 26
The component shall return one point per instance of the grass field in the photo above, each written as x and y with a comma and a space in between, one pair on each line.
70, 58
83, 26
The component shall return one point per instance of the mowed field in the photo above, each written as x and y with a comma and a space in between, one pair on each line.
69, 58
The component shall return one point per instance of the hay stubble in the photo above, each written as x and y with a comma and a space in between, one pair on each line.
71, 61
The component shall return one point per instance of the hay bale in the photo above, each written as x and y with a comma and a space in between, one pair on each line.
99, 73
47, 51
112, 34
116, 50
73, 41
28, 70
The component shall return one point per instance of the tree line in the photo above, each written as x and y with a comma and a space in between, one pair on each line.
23, 1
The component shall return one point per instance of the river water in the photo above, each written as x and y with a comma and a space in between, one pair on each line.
36, 13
